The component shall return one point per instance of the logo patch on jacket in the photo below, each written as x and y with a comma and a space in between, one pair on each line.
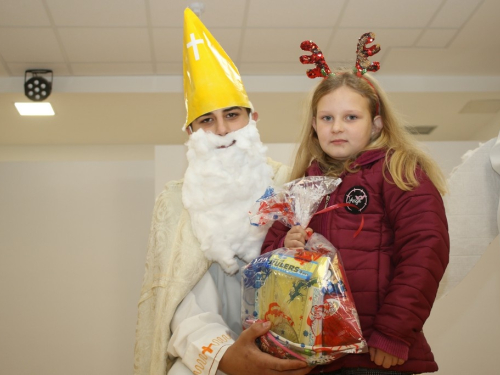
357, 196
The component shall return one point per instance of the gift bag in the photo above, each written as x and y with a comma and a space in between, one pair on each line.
304, 293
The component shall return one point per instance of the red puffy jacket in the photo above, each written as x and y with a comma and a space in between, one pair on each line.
394, 265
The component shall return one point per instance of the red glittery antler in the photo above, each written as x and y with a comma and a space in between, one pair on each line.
363, 52
322, 69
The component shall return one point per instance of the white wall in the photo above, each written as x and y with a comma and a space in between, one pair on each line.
73, 239
463, 329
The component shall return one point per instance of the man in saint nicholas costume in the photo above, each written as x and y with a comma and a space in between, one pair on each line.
189, 318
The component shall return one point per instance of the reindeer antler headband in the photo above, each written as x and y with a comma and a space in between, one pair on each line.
362, 53
362, 63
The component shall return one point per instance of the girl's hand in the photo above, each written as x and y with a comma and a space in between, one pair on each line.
384, 359
297, 236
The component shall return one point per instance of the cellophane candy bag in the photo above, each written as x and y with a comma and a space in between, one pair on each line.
295, 203
304, 293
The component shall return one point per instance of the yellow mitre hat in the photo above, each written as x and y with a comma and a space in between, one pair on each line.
211, 80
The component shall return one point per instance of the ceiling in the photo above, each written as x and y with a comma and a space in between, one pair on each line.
118, 64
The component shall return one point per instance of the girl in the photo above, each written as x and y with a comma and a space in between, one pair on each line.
394, 264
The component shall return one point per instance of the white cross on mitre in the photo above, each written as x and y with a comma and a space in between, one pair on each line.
194, 43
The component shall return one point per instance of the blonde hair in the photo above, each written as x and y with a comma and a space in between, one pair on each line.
403, 155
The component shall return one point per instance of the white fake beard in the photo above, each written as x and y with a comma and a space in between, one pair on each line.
220, 186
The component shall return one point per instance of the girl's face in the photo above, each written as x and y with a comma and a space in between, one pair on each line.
344, 124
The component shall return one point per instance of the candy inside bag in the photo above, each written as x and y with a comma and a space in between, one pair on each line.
304, 293
295, 203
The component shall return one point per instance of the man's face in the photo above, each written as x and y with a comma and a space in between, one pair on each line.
222, 121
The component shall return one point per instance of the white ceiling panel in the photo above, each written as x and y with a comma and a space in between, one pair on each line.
28, 13
106, 45
108, 13
294, 13
3, 71
29, 44
279, 45
59, 69
169, 68
481, 29
481, 62
436, 38
112, 69
395, 37
278, 68
217, 13
416, 61
454, 13
167, 44
167, 13
434, 62
389, 13
343, 45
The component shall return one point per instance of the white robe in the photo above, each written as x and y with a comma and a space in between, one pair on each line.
210, 315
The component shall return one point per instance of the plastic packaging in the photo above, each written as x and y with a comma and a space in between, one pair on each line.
304, 293
295, 203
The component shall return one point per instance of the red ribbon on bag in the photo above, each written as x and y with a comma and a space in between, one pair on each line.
340, 205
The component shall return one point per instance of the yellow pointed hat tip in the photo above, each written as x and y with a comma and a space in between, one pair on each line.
211, 80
